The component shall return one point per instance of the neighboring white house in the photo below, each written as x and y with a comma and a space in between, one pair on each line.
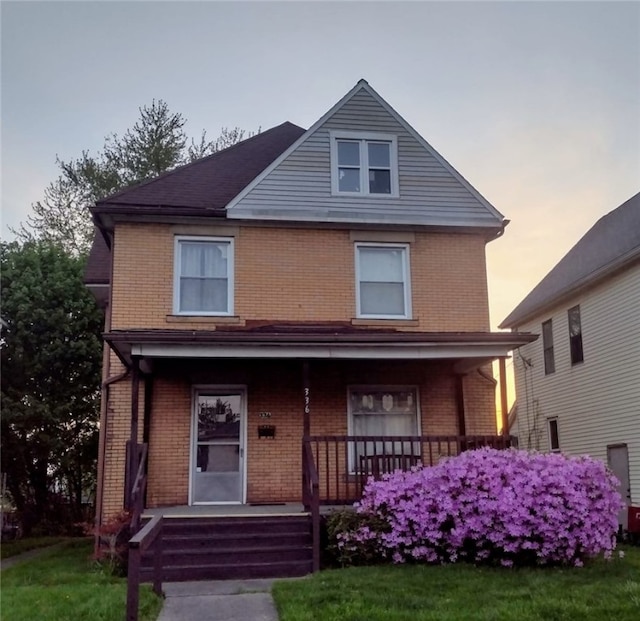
578, 386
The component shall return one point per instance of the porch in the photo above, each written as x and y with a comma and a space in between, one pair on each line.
196, 542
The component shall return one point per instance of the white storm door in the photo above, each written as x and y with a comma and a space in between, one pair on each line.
217, 459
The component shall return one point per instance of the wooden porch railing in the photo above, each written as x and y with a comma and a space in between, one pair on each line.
311, 499
150, 535
138, 487
343, 464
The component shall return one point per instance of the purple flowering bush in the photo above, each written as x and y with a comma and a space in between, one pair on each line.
488, 506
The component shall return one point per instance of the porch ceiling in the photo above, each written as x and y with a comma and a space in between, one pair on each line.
467, 349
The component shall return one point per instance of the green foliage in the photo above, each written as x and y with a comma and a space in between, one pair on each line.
13, 548
156, 143
51, 358
343, 521
600, 590
65, 584
113, 542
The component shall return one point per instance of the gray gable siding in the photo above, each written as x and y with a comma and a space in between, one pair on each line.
300, 186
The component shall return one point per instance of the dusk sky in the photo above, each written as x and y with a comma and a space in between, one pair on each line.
536, 104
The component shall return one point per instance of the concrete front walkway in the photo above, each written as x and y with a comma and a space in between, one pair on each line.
218, 600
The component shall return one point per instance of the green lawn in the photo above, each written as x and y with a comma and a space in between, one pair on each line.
11, 548
66, 585
602, 591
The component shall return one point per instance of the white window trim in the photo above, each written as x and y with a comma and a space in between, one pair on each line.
379, 388
551, 449
335, 136
406, 272
177, 269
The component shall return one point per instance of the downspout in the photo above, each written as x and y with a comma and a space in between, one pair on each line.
104, 419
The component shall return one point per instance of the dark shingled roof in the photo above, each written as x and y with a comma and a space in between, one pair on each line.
612, 242
98, 268
211, 182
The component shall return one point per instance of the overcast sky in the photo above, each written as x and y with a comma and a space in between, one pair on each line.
537, 104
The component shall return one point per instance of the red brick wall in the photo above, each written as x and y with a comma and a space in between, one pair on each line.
284, 274
299, 275
274, 465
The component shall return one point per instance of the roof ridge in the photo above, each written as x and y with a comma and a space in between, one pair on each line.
201, 160
588, 260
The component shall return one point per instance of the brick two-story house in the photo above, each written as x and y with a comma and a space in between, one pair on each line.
327, 284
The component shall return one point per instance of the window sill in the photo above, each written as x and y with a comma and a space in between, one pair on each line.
222, 319
361, 195
385, 322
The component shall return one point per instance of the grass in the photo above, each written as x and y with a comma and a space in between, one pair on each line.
601, 590
11, 548
66, 585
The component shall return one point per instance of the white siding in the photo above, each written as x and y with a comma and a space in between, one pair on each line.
300, 187
597, 402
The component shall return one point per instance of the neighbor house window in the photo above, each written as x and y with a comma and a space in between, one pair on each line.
383, 411
383, 288
575, 335
547, 345
203, 281
554, 441
364, 164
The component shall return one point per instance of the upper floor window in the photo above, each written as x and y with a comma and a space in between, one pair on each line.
383, 287
554, 438
203, 276
547, 345
364, 164
575, 335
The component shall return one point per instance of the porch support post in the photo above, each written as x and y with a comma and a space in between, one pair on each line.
148, 397
462, 425
132, 465
306, 390
504, 407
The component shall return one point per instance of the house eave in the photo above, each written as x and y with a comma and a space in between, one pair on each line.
593, 279
365, 344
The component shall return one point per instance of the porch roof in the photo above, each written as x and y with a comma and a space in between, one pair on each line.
302, 341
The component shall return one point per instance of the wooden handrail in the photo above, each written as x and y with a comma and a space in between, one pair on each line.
149, 535
344, 463
139, 488
311, 498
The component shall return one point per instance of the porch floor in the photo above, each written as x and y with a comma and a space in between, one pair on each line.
186, 511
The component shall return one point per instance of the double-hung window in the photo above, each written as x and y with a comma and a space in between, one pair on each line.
554, 438
575, 335
547, 345
203, 276
383, 287
364, 164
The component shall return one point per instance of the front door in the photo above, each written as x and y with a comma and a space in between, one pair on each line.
618, 459
217, 456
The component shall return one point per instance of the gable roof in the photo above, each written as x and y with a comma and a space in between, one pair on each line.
611, 243
485, 214
211, 182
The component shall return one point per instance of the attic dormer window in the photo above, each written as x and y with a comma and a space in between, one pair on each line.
364, 164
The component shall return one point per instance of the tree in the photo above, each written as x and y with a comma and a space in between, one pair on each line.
156, 143
50, 387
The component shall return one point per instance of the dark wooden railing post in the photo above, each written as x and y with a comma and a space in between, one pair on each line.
150, 535
312, 499
133, 582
